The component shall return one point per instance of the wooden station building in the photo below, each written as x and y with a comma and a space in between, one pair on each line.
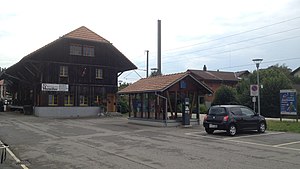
75, 75
160, 98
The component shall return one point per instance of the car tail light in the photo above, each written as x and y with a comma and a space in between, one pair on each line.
205, 117
225, 118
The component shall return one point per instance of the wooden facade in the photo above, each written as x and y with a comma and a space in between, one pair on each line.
81, 61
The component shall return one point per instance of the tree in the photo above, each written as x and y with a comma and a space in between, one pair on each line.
123, 100
273, 79
225, 95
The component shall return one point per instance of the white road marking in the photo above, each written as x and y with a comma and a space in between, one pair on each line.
196, 134
264, 134
233, 139
284, 144
14, 157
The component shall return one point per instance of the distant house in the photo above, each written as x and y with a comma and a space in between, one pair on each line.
296, 72
75, 75
242, 74
214, 80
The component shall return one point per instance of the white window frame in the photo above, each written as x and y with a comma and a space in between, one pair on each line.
88, 51
63, 71
76, 49
99, 73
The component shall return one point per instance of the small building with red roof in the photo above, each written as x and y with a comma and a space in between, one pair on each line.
160, 98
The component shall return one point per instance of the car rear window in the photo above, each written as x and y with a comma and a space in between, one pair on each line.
217, 111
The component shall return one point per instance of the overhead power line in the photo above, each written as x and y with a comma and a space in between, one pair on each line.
229, 36
226, 51
245, 40
236, 34
265, 62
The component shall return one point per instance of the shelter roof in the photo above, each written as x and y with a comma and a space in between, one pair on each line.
157, 83
215, 75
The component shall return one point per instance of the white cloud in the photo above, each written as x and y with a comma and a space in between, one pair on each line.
132, 27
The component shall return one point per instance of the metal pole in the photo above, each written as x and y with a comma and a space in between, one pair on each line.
258, 103
159, 47
147, 66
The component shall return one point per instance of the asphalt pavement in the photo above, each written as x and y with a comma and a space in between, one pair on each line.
112, 143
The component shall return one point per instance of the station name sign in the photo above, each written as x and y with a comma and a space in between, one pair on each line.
50, 87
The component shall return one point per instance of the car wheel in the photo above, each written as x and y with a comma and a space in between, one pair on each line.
209, 131
232, 130
261, 127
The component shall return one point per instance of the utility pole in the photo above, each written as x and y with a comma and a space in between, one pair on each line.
257, 62
159, 46
147, 65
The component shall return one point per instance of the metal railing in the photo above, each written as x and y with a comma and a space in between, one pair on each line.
3, 147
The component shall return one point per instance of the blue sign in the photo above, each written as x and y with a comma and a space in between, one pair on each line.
288, 102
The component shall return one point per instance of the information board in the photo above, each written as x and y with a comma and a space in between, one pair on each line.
288, 102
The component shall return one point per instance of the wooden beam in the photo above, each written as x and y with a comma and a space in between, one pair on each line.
170, 104
29, 71
176, 93
193, 102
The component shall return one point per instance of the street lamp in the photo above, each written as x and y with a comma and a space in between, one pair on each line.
257, 62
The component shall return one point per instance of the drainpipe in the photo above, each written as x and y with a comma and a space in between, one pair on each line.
166, 113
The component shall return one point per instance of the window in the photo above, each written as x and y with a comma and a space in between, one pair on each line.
69, 100
63, 71
217, 111
97, 100
76, 50
247, 112
83, 100
99, 74
52, 100
236, 111
88, 51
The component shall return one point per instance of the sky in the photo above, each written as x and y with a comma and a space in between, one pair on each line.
223, 35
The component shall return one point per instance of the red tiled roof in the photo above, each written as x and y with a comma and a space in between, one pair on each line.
156, 83
151, 84
215, 75
85, 34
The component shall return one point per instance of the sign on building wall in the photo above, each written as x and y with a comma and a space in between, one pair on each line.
55, 87
288, 102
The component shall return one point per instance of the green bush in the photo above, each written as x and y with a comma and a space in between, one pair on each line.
203, 109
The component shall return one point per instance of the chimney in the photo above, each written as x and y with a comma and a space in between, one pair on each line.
204, 68
159, 47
